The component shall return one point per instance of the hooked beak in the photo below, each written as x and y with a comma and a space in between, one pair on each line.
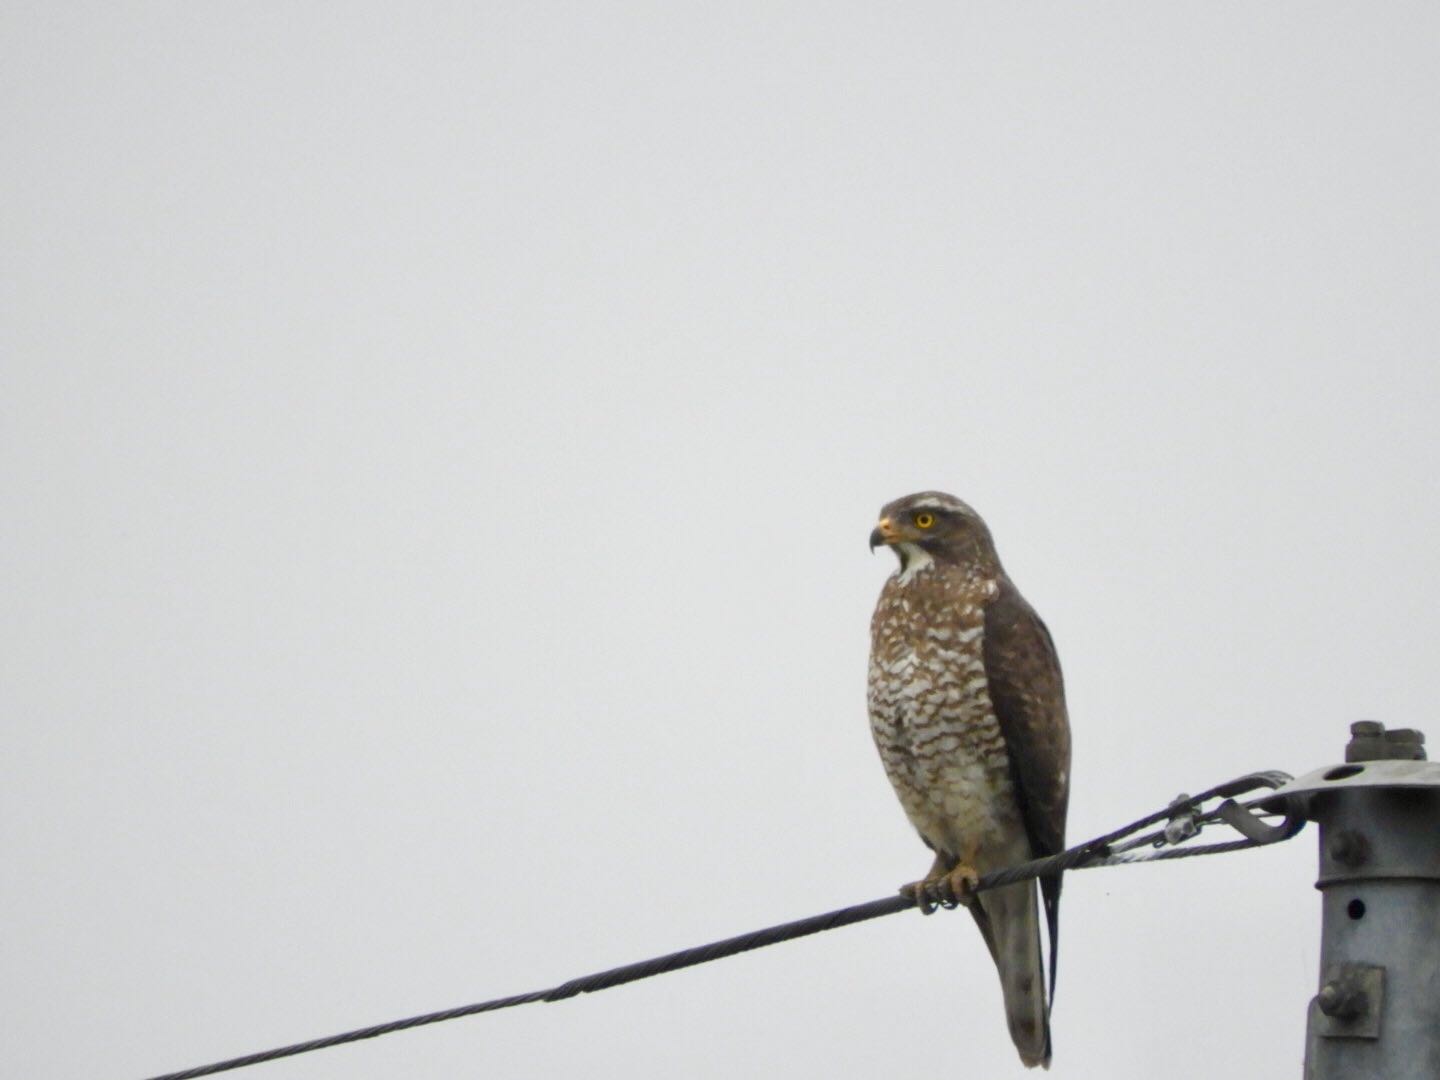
883, 533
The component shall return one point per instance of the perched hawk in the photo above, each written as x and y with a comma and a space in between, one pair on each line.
968, 712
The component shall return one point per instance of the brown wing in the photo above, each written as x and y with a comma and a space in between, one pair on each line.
1028, 695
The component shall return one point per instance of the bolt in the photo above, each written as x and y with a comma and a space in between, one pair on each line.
1406, 744
1341, 1000
1349, 848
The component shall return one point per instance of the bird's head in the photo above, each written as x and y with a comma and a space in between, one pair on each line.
935, 526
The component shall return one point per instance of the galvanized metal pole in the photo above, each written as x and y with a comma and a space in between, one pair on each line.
1377, 1014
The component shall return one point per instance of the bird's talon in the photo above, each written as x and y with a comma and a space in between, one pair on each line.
958, 886
919, 891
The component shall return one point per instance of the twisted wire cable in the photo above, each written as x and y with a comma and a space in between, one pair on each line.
1111, 849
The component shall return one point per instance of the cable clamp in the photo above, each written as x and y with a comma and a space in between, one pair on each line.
1183, 823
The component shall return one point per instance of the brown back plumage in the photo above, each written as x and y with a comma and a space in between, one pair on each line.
1028, 695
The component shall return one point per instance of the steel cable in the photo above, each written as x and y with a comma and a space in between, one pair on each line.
1108, 850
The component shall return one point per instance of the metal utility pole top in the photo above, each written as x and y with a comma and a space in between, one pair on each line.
1377, 1014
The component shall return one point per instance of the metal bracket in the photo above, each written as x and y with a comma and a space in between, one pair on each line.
1409, 775
1252, 827
1350, 1002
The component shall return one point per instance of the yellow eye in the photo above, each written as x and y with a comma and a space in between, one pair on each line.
924, 521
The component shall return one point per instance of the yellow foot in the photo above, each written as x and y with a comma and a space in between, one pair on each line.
957, 888
920, 892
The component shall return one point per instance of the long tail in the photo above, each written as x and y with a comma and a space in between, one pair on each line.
1009, 919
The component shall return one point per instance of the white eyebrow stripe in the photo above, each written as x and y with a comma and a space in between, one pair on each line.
937, 504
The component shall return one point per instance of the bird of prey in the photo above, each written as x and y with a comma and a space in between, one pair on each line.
968, 711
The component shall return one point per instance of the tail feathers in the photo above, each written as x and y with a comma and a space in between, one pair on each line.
1050, 893
1009, 920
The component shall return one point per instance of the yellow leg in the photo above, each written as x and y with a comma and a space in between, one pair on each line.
958, 886
946, 885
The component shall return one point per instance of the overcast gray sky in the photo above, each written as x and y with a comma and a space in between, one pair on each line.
439, 445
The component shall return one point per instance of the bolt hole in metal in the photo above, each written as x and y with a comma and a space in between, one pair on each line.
1355, 909
1343, 772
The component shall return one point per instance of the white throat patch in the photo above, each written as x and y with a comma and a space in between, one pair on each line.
917, 560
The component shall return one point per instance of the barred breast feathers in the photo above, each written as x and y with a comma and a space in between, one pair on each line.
931, 713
